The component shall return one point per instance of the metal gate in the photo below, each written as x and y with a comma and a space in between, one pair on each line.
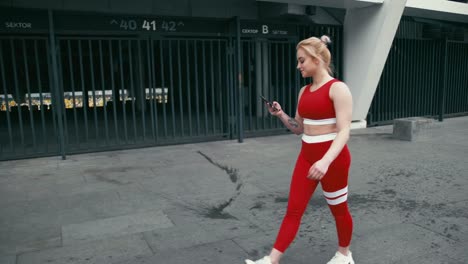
269, 69
28, 125
456, 97
424, 75
106, 85
121, 92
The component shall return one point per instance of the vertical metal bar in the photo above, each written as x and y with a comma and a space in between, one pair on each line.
171, 95
56, 82
163, 84
143, 92
419, 76
435, 79
103, 89
396, 82
132, 89
114, 100
154, 84
258, 90
18, 97
2, 69
408, 77
39, 85
463, 49
205, 98
450, 84
240, 82
93, 87
263, 87
61, 93
196, 87
51, 90
290, 103
452, 102
181, 104
410, 50
205, 105
72, 84
272, 98
457, 81
213, 121
277, 74
83, 90
229, 80
283, 79
121, 94
28, 89
249, 76
149, 55
220, 89
427, 79
415, 58
189, 109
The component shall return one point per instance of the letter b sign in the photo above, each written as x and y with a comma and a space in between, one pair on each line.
264, 29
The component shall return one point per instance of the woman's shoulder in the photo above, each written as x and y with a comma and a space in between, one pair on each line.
338, 83
339, 87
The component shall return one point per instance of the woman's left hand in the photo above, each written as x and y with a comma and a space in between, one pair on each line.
318, 170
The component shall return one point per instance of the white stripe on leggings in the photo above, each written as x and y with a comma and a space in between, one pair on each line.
336, 194
342, 199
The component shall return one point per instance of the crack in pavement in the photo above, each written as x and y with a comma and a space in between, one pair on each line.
230, 171
216, 212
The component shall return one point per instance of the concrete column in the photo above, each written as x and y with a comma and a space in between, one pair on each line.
368, 37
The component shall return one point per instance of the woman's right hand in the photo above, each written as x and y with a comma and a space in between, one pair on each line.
275, 109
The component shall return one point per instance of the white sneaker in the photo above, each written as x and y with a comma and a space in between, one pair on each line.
264, 260
342, 259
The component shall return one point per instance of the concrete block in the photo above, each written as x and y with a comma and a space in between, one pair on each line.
413, 128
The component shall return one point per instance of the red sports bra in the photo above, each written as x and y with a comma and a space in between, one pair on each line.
317, 106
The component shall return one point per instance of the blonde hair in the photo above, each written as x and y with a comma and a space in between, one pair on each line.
317, 48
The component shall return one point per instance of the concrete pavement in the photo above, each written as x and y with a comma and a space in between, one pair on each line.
221, 202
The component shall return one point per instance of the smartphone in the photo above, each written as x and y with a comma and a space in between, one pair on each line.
267, 102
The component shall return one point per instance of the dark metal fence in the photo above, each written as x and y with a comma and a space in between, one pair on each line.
426, 74
269, 69
28, 125
143, 91
68, 89
456, 102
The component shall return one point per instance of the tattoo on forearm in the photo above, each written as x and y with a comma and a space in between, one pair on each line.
293, 122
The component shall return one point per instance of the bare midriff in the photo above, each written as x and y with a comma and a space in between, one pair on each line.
316, 130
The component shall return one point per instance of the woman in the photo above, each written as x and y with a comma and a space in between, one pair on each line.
323, 116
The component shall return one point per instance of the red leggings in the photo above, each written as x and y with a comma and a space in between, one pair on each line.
335, 188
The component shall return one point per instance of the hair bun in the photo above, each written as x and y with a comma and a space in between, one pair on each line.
326, 39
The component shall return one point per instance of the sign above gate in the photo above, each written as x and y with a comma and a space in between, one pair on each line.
20, 20
258, 29
92, 22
